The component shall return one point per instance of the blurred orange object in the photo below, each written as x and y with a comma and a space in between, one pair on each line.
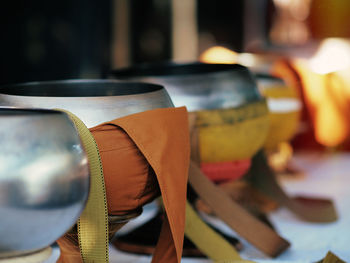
226, 171
325, 118
219, 54
328, 104
304, 137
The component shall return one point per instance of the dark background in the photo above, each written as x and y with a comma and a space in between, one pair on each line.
47, 40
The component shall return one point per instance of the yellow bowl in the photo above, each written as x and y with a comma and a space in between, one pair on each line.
284, 111
232, 134
283, 126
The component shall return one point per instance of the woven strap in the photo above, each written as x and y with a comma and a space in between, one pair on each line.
93, 222
206, 239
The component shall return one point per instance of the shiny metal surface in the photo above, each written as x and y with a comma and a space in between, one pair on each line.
266, 81
198, 86
93, 101
44, 179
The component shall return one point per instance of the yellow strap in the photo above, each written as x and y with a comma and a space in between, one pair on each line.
208, 241
93, 222
331, 258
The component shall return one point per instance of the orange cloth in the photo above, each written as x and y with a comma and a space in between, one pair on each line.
135, 148
129, 179
305, 138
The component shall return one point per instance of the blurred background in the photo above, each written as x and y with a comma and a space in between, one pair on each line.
304, 41
43, 40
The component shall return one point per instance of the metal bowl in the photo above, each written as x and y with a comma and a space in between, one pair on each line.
231, 114
198, 86
43, 170
44, 179
284, 107
93, 101
268, 81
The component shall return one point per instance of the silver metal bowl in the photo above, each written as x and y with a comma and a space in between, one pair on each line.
268, 81
198, 86
93, 101
44, 179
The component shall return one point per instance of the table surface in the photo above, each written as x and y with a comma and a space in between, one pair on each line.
325, 175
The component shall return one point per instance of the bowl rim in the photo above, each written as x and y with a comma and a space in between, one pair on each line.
78, 88
15, 111
173, 69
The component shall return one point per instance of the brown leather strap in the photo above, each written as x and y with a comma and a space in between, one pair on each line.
310, 209
254, 231
245, 195
245, 224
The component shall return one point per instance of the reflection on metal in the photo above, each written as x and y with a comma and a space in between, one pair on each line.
94, 101
44, 179
199, 86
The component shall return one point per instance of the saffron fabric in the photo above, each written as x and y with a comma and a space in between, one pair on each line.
144, 155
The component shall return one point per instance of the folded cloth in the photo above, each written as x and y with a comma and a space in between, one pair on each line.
137, 151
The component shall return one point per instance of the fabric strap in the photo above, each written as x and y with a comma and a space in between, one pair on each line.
245, 224
163, 139
206, 239
250, 228
93, 222
161, 135
331, 258
310, 209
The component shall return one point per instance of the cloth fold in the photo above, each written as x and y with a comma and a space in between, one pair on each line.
162, 135
137, 151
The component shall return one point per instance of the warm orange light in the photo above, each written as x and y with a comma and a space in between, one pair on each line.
219, 54
327, 92
332, 55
